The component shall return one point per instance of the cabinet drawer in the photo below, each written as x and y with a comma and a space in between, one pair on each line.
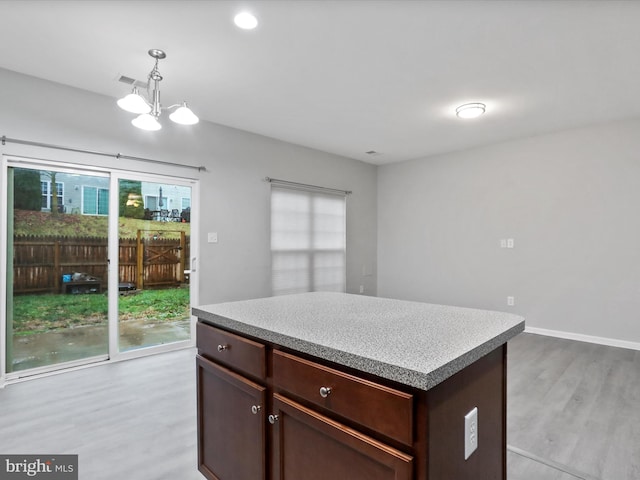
239, 353
380, 408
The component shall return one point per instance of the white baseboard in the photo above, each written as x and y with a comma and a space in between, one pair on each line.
611, 342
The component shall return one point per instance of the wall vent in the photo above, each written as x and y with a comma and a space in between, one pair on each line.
127, 80
132, 81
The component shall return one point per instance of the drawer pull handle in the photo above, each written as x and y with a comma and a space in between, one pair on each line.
325, 392
273, 419
222, 348
255, 409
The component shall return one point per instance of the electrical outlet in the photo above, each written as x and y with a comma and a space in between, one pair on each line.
511, 301
361, 288
212, 237
510, 242
470, 432
503, 243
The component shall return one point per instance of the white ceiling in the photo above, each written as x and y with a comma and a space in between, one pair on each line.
349, 76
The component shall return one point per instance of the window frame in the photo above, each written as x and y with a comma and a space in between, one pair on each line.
312, 252
48, 194
97, 202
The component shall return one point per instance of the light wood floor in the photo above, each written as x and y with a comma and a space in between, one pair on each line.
576, 404
132, 420
570, 404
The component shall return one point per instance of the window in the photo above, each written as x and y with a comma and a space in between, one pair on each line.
95, 201
154, 202
45, 188
185, 203
308, 241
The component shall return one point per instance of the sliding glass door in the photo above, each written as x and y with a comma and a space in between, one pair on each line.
57, 310
154, 274
98, 265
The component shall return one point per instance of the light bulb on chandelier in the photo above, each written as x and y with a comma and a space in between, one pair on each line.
149, 111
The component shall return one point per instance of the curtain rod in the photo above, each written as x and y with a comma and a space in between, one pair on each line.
103, 154
304, 185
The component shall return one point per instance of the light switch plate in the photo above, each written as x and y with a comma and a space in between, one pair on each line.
212, 237
470, 432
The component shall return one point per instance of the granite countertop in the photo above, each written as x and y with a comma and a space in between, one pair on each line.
416, 344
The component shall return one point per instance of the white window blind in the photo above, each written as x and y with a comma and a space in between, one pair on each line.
308, 240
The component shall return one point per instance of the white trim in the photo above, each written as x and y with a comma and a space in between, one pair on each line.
68, 166
53, 367
115, 175
58, 371
114, 324
48, 195
194, 275
113, 252
610, 342
147, 350
60, 166
3, 271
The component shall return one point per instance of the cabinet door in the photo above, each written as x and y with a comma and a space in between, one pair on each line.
231, 424
310, 446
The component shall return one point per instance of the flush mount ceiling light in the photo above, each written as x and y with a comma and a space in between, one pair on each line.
246, 21
149, 112
470, 110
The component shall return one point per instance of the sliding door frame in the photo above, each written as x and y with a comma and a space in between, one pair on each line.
114, 267
4, 186
114, 175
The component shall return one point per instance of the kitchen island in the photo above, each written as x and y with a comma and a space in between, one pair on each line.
338, 386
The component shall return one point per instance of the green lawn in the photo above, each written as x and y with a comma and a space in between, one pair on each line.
40, 313
43, 223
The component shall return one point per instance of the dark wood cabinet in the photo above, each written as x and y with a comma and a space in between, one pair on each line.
231, 424
311, 446
384, 410
234, 351
269, 414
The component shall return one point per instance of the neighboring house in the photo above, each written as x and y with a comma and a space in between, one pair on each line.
89, 195
174, 197
79, 194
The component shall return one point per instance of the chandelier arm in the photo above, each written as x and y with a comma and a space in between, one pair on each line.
149, 121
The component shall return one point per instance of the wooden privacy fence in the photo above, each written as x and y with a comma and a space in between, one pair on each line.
39, 263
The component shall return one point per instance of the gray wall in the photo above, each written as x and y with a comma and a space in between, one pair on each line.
571, 201
234, 199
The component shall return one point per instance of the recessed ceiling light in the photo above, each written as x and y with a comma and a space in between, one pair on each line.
470, 110
246, 21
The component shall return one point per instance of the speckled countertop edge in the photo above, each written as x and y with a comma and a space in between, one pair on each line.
420, 379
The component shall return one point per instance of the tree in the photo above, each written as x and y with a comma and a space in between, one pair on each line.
131, 202
27, 194
53, 192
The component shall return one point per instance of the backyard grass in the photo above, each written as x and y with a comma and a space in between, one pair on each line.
42, 313
43, 223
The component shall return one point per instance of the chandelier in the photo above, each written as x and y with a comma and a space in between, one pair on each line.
149, 111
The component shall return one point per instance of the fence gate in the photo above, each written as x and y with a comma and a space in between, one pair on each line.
160, 261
